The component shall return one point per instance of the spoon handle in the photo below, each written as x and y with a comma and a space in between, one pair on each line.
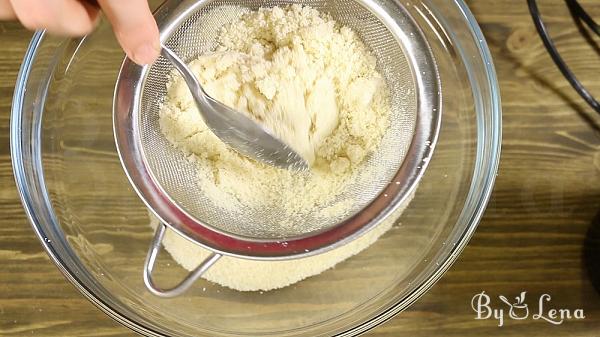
187, 74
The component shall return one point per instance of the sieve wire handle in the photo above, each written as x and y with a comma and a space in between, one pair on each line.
187, 282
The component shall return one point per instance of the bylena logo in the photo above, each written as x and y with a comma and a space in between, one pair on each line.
519, 309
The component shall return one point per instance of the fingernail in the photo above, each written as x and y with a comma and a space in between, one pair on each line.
145, 54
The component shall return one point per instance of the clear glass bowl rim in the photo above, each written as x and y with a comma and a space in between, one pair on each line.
29, 184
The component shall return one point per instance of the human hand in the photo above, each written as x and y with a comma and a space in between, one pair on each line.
132, 21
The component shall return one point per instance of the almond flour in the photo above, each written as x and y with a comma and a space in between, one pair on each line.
310, 81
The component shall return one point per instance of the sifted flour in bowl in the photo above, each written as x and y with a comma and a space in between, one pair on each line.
249, 275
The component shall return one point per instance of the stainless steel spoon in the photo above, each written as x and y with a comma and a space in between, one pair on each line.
236, 129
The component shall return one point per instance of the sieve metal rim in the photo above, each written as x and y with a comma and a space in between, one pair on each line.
128, 93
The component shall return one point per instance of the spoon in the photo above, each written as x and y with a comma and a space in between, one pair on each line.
236, 129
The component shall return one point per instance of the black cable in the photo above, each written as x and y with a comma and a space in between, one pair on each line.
582, 15
558, 60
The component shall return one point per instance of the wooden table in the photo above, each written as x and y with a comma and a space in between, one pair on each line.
536, 236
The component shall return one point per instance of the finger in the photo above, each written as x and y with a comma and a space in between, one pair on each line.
64, 17
6, 10
134, 27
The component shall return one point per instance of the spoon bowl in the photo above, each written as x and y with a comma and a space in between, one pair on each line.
236, 129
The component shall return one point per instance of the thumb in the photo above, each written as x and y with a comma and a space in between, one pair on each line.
134, 27
6, 11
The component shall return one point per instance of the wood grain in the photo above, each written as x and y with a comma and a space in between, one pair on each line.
537, 234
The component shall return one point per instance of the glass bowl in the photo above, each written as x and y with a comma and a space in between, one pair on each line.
95, 228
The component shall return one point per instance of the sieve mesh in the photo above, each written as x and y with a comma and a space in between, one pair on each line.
177, 176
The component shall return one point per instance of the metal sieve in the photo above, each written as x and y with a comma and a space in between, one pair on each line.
165, 180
